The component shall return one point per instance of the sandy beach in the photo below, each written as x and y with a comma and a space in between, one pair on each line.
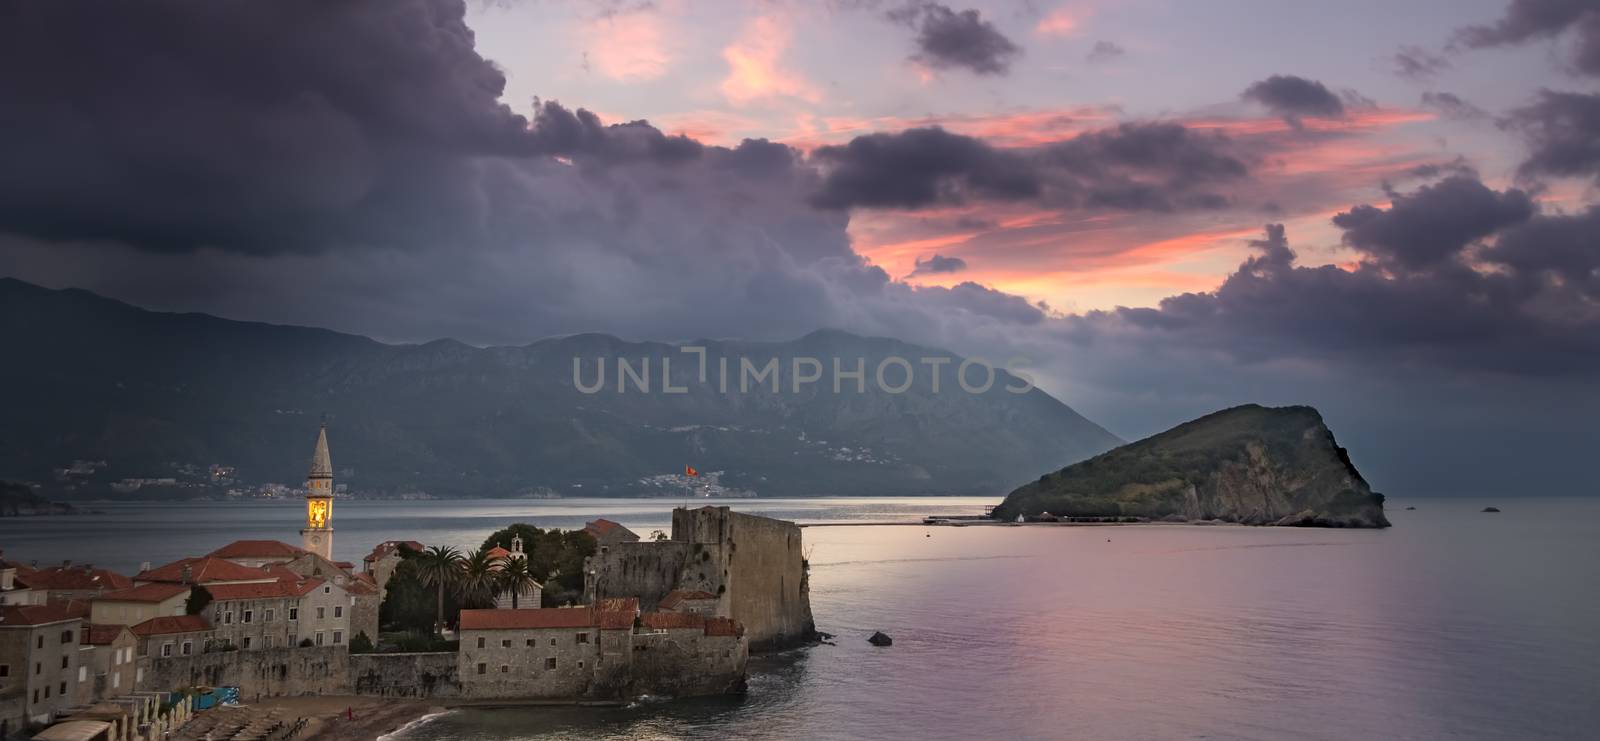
346, 718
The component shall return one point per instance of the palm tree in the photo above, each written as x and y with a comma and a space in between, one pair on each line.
479, 579
515, 578
440, 567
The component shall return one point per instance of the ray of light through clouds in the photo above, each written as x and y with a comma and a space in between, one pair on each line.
1168, 206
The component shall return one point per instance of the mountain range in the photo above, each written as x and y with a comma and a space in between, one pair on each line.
149, 393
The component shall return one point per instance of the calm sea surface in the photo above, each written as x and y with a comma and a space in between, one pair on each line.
1453, 623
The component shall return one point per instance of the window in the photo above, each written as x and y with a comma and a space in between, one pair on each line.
294, 613
504, 669
530, 643
338, 637
38, 668
116, 679
292, 641
319, 638
321, 612
480, 641
35, 695
505, 643
327, 590
552, 640
249, 615
227, 617
216, 616
267, 617
40, 643
66, 636
247, 643
63, 688
65, 661
580, 663
166, 649
83, 673
483, 668
338, 611
550, 663
47, 692
188, 648
583, 637
5, 671
138, 675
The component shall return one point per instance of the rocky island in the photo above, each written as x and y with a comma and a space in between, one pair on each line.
1251, 464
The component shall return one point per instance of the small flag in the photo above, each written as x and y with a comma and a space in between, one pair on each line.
689, 471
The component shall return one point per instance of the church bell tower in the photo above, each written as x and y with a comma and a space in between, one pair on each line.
317, 536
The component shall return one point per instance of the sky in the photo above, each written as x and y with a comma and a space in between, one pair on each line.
1386, 210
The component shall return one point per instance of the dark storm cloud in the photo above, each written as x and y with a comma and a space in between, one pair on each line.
1532, 20
920, 167
1293, 97
938, 264
949, 38
1452, 106
1417, 63
173, 124
1562, 131
1133, 166
559, 131
1434, 224
1418, 295
1104, 51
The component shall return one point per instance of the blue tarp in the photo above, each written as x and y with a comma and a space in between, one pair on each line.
217, 696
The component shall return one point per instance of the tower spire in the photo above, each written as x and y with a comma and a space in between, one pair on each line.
321, 462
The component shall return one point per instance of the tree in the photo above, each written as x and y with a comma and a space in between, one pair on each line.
439, 567
479, 580
361, 644
658, 536
555, 557
516, 578
199, 598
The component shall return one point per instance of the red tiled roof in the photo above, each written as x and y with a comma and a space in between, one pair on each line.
346, 565
263, 590
528, 619
77, 578
678, 596
671, 620
152, 592
45, 614
202, 571
383, 549
497, 553
257, 549
721, 626
102, 635
602, 527
169, 624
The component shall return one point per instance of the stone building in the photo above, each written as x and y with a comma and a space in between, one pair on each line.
384, 559
607, 533
529, 595
755, 566
108, 668
554, 652
39, 647
68, 582
138, 604
689, 601
166, 637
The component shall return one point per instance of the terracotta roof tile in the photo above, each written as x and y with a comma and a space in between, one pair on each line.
102, 635
77, 578
678, 596
280, 589
257, 549
721, 626
602, 527
204, 570
45, 614
672, 620
497, 553
152, 592
528, 619
169, 624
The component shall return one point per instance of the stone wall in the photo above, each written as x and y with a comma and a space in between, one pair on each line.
405, 675
267, 673
755, 565
518, 663
685, 662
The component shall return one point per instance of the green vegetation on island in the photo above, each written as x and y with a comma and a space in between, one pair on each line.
1250, 464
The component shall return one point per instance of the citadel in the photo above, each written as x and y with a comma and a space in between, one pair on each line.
89, 653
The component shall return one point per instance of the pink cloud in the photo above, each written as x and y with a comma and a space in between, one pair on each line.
628, 47
755, 66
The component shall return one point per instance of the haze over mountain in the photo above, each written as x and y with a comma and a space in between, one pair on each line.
95, 378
